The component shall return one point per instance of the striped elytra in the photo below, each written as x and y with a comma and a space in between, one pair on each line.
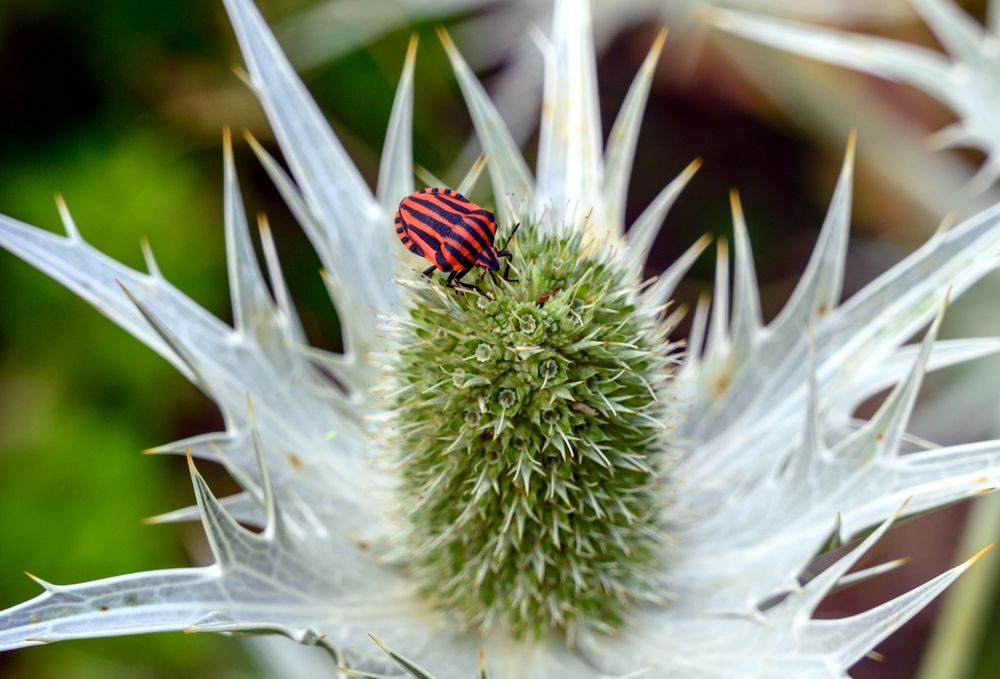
448, 230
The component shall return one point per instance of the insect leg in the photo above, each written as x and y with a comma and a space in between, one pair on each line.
456, 278
504, 254
428, 271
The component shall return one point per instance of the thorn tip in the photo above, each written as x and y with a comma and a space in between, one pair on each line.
980, 554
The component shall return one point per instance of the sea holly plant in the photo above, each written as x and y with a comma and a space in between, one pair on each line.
541, 477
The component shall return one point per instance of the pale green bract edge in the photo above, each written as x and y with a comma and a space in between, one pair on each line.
967, 79
768, 456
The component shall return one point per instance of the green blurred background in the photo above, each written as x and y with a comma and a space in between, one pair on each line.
119, 106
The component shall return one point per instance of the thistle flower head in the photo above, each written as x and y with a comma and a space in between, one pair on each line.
537, 471
532, 431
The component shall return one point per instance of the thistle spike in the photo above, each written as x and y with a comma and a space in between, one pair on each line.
67, 219
472, 176
699, 326
44, 584
251, 300
660, 292
569, 171
818, 291
202, 446
865, 574
644, 230
410, 667
810, 450
243, 506
510, 175
887, 427
292, 324
147, 256
804, 604
394, 179
274, 528
624, 136
428, 177
860, 633
179, 350
746, 298
718, 330
223, 532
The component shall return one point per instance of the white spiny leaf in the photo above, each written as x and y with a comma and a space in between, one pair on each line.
242, 506
918, 66
967, 81
152, 268
846, 641
802, 605
884, 433
866, 574
717, 342
511, 178
230, 542
472, 176
253, 309
570, 173
141, 602
659, 293
781, 642
893, 307
957, 31
93, 276
643, 232
353, 223
893, 368
289, 318
818, 291
746, 298
395, 181
358, 325
623, 139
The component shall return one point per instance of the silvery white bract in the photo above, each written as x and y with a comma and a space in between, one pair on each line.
967, 78
331, 28
504, 41
769, 462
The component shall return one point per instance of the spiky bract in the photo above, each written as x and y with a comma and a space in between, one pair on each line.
532, 434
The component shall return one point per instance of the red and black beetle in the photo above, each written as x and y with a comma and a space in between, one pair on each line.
453, 233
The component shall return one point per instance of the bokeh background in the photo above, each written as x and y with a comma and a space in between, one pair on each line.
120, 105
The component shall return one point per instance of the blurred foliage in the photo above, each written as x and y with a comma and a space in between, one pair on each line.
119, 106
79, 398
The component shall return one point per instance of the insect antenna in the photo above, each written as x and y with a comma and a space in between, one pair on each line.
510, 237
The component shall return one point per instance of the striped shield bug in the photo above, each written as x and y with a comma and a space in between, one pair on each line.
453, 233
